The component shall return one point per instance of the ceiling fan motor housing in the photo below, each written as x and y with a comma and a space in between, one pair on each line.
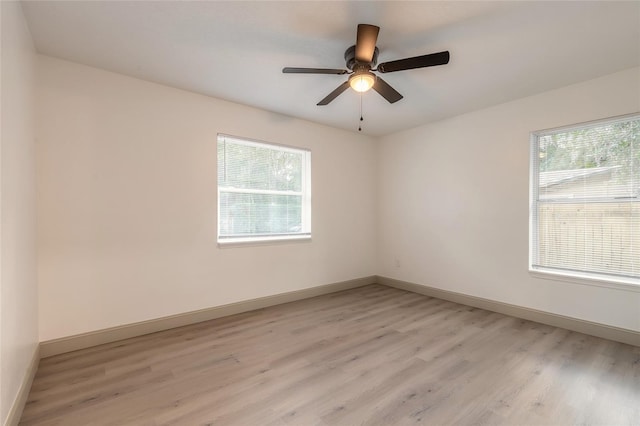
350, 58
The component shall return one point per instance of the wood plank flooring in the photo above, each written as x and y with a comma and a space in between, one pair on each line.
372, 355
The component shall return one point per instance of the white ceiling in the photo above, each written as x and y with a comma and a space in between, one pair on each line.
236, 50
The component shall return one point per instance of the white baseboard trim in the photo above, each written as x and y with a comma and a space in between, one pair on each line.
617, 334
15, 412
113, 334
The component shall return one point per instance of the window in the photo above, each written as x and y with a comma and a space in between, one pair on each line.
585, 200
264, 191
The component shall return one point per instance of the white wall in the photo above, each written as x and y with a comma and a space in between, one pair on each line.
127, 183
454, 202
18, 299
127, 202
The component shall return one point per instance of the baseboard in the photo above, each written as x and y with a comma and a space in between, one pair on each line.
113, 334
617, 334
94, 338
15, 412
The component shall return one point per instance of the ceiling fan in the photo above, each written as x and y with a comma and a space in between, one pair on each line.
361, 61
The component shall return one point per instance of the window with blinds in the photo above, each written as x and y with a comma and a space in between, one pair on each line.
264, 191
585, 200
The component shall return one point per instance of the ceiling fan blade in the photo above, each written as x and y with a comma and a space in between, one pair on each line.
331, 96
290, 70
387, 92
366, 42
431, 60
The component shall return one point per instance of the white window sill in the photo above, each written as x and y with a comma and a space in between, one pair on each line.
261, 241
619, 283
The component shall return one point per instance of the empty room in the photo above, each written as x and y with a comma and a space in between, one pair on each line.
320, 213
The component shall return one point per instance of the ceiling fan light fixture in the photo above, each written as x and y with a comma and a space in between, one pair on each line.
361, 58
361, 82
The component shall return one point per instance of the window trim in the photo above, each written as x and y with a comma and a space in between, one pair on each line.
575, 278
584, 278
305, 194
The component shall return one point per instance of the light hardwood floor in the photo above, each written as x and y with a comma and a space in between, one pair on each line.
372, 355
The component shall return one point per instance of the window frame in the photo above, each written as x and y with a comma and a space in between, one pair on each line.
305, 193
589, 278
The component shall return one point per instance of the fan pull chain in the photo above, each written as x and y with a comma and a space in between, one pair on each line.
361, 119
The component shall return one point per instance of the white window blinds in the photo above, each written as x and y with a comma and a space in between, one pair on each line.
585, 210
264, 191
